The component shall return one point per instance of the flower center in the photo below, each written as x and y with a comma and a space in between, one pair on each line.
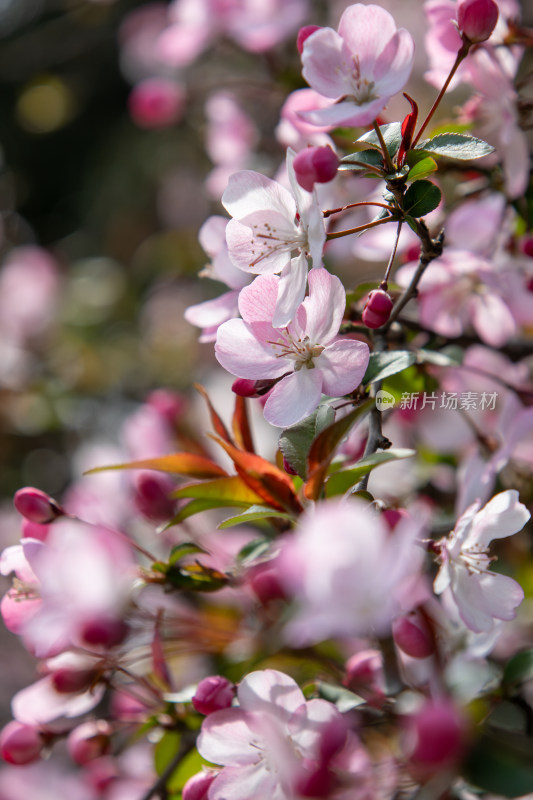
301, 351
268, 240
363, 89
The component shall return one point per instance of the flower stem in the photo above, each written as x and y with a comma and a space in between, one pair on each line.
461, 55
359, 228
331, 211
383, 284
386, 155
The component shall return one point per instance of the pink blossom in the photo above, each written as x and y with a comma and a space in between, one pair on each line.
361, 66
156, 103
270, 223
351, 581
275, 741
29, 286
481, 595
306, 354
210, 314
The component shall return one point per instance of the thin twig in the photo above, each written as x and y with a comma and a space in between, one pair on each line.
331, 211
359, 228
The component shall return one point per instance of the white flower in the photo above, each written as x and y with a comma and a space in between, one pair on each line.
481, 595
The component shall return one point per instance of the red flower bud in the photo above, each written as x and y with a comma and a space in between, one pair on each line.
434, 736
20, 743
89, 740
413, 636
212, 694
315, 165
377, 309
36, 506
477, 19
303, 34
196, 787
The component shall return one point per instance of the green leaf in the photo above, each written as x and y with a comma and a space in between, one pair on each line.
184, 549
190, 764
372, 158
233, 490
253, 550
296, 442
392, 134
456, 145
519, 668
343, 480
421, 198
196, 507
498, 768
381, 365
440, 358
341, 697
196, 578
165, 750
422, 169
253, 514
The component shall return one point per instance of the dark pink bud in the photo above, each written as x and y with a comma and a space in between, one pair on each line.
36, 506
393, 516
66, 680
434, 736
156, 103
212, 694
152, 496
303, 34
413, 636
377, 309
89, 740
244, 387
197, 787
477, 19
20, 744
104, 631
265, 584
365, 676
315, 165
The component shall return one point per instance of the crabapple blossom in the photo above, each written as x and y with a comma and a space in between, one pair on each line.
270, 223
275, 743
210, 314
229, 140
292, 130
477, 19
360, 66
305, 355
36, 506
481, 596
352, 581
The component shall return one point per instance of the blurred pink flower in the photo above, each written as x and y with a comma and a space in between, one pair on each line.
156, 103
29, 287
353, 580
361, 66
292, 130
230, 138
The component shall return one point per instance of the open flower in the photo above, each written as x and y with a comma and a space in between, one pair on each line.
305, 354
481, 595
362, 65
269, 225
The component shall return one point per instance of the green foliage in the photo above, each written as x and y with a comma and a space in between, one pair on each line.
343, 480
382, 365
496, 766
456, 145
519, 668
296, 442
426, 166
392, 135
255, 514
421, 198
355, 162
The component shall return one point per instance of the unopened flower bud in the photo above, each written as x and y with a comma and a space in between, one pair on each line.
476, 19
212, 694
104, 631
413, 636
265, 584
248, 388
197, 787
67, 680
156, 103
303, 34
377, 309
315, 165
89, 740
434, 736
20, 743
152, 496
36, 506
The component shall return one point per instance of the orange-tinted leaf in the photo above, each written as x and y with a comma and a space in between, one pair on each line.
272, 485
231, 489
175, 463
324, 447
241, 425
216, 421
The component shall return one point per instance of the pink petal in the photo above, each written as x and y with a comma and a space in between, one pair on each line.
271, 692
347, 112
291, 291
342, 366
325, 60
324, 306
248, 192
294, 398
366, 31
239, 352
40, 703
242, 783
502, 516
255, 254
395, 63
492, 319
226, 738
502, 594
212, 313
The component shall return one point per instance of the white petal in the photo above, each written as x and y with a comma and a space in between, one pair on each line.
257, 250
226, 738
501, 517
502, 594
249, 191
294, 398
291, 291
325, 60
271, 692
239, 352
325, 306
342, 366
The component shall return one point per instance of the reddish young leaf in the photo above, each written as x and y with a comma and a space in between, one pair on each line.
241, 425
175, 463
216, 421
268, 481
324, 447
408, 129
